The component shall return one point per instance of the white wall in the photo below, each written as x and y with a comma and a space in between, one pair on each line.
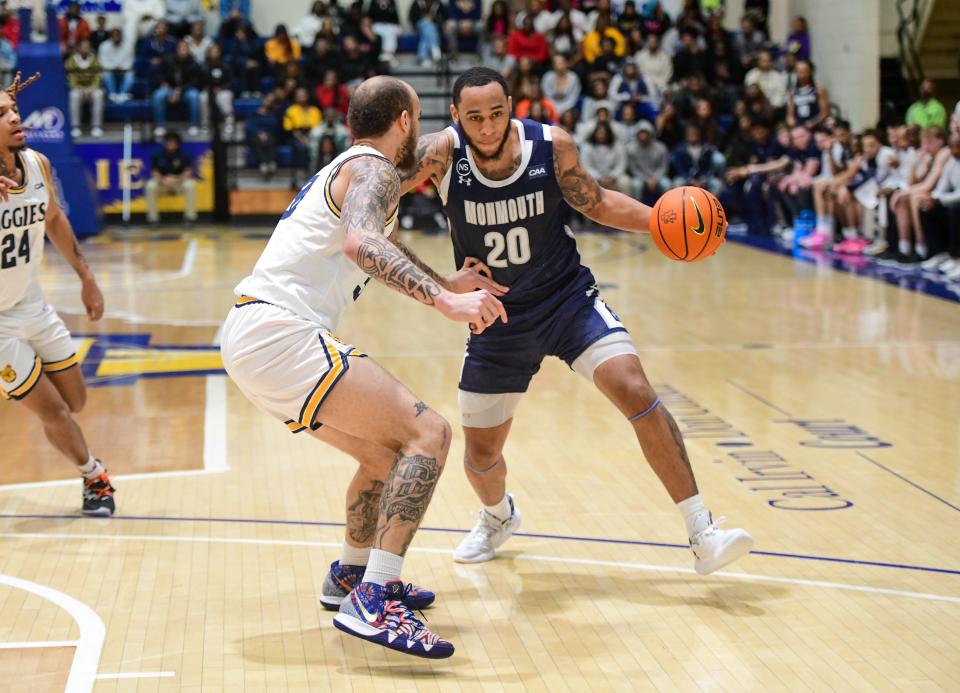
845, 42
889, 48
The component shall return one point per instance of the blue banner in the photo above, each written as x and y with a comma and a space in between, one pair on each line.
103, 161
44, 113
93, 6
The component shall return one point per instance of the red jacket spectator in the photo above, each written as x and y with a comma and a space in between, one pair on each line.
336, 97
73, 29
527, 42
9, 27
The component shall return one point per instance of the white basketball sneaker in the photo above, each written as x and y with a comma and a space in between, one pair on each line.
487, 536
714, 547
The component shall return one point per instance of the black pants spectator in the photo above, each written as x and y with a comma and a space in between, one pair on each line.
942, 228
263, 147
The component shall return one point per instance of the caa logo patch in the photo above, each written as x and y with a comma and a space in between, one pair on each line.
537, 172
45, 125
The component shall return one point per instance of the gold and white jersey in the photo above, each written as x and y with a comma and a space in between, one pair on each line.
303, 268
22, 225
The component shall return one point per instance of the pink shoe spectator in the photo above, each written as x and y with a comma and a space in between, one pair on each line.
815, 241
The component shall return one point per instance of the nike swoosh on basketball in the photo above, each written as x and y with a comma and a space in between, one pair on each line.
700, 229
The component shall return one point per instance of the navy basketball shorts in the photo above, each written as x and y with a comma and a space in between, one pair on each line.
499, 363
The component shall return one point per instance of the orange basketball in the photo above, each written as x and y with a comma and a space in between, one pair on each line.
688, 224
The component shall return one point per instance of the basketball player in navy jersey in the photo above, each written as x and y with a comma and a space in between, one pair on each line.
504, 184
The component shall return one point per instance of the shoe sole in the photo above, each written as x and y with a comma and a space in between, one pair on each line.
358, 629
484, 557
99, 512
738, 548
333, 603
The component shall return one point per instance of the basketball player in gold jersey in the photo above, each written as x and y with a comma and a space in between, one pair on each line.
279, 349
37, 359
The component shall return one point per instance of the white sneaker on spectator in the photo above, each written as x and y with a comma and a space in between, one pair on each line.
932, 264
426, 63
948, 265
954, 274
96, 132
76, 132
159, 132
875, 248
193, 131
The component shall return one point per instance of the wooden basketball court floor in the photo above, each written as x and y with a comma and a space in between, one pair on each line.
821, 411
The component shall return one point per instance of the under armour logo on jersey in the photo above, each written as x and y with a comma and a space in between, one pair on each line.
463, 172
38, 185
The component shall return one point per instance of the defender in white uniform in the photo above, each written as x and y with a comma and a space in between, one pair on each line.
278, 348
37, 357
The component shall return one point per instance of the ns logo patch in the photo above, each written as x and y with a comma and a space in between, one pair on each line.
463, 172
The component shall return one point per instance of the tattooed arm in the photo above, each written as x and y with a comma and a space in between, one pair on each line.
434, 153
61, 235
474, 274
584, 194
373, 188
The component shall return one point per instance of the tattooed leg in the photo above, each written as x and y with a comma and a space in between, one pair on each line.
363, 508
623, 381
404, 501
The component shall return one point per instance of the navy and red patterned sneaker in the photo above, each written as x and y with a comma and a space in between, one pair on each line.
379, 614
343, 578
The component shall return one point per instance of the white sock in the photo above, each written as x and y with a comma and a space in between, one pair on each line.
383, 567
501, 510
694, 514
822, 222
921, 249
92, 469
849, 233
353, 555
904, 246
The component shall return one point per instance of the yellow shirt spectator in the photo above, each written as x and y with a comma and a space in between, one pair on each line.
277, 51
591, 43
301, 117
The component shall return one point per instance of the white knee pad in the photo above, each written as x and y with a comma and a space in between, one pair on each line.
602, 350
482, 410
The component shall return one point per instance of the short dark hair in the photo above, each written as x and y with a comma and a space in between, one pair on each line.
173, 137
478, 77
373, 111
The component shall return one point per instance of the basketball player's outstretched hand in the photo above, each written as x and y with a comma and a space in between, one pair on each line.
92, 300
5, 185
474, 275
479, 308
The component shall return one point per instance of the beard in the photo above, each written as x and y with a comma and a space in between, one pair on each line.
480, 156
408, 153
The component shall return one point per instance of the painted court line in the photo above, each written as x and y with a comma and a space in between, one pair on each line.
38, 643
450, 530
860, 454
648, 567
138, 675
86, 658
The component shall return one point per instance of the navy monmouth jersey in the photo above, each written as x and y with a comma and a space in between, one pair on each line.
515, 226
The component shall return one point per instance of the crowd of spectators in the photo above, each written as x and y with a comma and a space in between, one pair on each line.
654, 100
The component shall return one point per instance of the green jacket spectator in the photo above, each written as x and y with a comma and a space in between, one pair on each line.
927, 110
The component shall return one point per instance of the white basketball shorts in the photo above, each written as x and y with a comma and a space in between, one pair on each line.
284, 364
33, 340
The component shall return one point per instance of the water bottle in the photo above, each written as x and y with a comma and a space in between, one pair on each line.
803, 226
